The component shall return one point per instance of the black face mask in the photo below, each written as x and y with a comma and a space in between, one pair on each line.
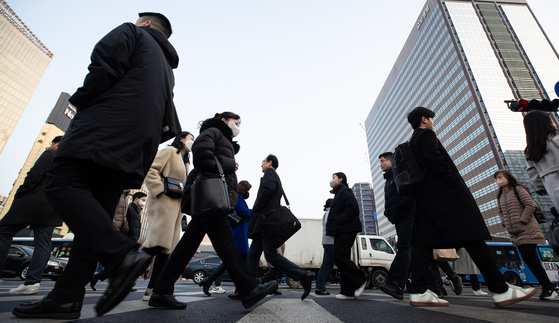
245, 195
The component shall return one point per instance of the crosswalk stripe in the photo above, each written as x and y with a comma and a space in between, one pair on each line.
289, 310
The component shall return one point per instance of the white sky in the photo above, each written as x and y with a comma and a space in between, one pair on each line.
303, 75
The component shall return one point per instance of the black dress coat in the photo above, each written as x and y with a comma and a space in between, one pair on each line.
267, 201
396, 207
446, 211
30, 205
344, 212
122, 102
134, 221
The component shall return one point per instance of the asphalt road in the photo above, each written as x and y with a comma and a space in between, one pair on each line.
372, 306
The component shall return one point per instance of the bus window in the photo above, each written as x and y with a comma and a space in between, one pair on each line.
506, 257
546, 254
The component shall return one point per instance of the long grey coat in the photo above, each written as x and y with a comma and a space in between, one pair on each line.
545, 173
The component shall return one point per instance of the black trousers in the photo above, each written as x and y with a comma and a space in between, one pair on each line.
399, 269
480, 254
85, 196
221, 236
352, 276
530, 257
260, 244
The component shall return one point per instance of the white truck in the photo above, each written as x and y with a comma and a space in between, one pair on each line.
372, 254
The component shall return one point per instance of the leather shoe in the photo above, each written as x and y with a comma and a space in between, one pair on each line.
258, 293
206, 283
306, 282
47, 308
166, 301
93, 282
234, 296
456, 285
392, 290
122, 279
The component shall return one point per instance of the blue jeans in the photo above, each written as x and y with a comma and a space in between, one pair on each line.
398, 273
326, 268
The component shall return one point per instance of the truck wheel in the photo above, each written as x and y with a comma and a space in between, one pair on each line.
379, 277
292, 283
198, 276
512, 278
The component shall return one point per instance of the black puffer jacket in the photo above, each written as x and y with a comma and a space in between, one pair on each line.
134, 221
344, 212
216, 140
396, 207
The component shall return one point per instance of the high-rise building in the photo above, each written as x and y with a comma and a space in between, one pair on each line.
367, 210
56, 125
462, 59
23, 62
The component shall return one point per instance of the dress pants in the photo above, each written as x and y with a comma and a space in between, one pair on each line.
85, 195
352, 276
530, 257
280, 263
326, 267
42, 235
399, 269
222, 239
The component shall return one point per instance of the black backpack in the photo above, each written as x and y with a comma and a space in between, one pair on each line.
407, 174
538, 214
553, 236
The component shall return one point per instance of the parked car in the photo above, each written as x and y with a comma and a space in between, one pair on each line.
202, 268
19, 258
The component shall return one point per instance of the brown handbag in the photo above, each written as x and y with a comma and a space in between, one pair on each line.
445, 254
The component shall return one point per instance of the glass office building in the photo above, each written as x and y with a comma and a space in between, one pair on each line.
367, 211
23, 62
462, 59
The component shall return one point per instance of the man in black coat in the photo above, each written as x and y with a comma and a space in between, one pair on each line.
447, 216
400, 211
30, 207
266, 204
108, 147
133, 215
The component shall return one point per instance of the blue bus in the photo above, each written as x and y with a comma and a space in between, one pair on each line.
513, 268
61, 248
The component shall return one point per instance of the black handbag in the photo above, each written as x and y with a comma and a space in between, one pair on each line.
210, 196
234, 218
171, 124
173, 188
279, 226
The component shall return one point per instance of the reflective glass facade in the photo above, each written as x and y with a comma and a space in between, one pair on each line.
367, 210
23, 62
462, 60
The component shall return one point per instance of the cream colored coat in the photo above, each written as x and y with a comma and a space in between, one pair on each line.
545, 173
164, 214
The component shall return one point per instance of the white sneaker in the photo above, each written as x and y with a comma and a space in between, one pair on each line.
341, 296
147, 294
25, 289
218, 290
513, 295
553, 297
427, 299
360, 290
479, 293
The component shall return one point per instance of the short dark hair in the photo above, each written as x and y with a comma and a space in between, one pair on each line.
243, 187
159, 21
328, 204
274, 160
414, 117
387, 155
138, 195
342, 176
57, 139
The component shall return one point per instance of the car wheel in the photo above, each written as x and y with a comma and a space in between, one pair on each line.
23, 272
198, 276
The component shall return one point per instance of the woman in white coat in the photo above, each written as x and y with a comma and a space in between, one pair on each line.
163, 212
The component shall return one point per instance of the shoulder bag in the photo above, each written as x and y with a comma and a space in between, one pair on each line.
173, 188
209, 196
279, 226
445, 255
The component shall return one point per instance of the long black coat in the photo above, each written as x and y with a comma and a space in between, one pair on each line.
267, 201
447, 213
396, 207
216, 140
344, 212
134, 221
30, 205
122, 102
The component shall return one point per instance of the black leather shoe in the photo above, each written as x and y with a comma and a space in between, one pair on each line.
255, 295
206, 283
47, 308
456, 285
122, 279
306, 282
166, 301
93, 282
234, 296
392, 290
321, 292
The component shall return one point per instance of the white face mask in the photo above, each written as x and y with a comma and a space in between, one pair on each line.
333, 183
188, 145
142, 203
234, 128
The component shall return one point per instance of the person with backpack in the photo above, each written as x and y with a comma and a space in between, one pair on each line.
447, 216
553, 233
516, 210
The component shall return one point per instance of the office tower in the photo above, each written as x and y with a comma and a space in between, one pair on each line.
367, 211
23, 62
462, 59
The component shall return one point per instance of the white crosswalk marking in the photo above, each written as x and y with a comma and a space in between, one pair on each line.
289, 311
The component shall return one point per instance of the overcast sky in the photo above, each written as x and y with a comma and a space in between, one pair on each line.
302, 74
